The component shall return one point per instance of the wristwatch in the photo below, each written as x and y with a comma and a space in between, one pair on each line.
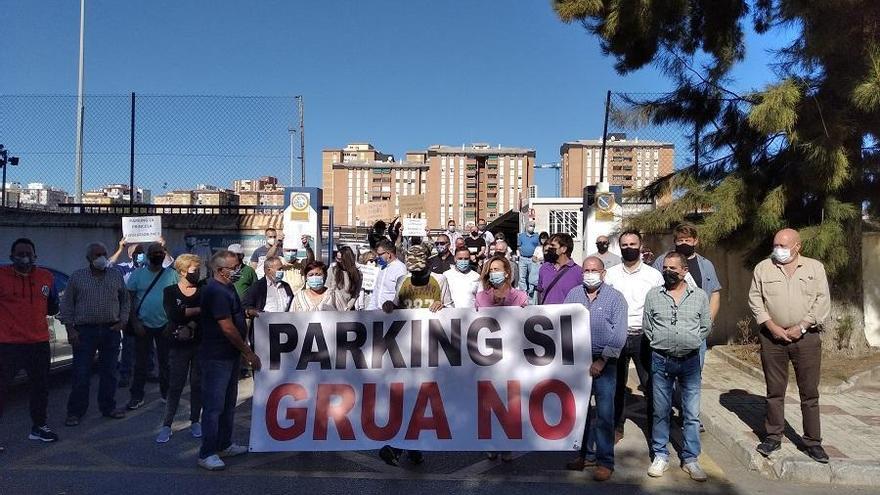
803, 328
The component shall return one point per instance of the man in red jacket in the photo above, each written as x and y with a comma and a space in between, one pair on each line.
27, 296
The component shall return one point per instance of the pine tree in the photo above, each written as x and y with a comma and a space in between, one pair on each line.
801, 152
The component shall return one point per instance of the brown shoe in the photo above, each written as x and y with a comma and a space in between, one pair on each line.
579, 463
602, 473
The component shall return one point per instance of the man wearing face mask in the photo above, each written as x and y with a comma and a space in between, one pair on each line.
443, 261
608, 324
243, 276
271, 293
610, 259
453, 234
559, 273
274, 246
27, 297
391, 270
476, 244
527, 243
676, 322
463, 282
790, 299
701, 271
148, 320
633, 279
95, 309
484, 231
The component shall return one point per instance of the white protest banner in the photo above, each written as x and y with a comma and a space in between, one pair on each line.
505, 378
368, 274
374, 211
141, 229
413, 204
414, 227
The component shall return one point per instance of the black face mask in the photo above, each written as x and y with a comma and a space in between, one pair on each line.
192, 278
421, 277
551, 256
602, 247
671, 278
630, 254
686, 249
157, 259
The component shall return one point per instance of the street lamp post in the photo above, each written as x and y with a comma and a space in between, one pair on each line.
80, 109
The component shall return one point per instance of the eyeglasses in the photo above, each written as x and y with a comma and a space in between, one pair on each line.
383, 253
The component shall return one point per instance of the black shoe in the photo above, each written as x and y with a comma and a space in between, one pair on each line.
134, 404
388, 455
817, 453
415, 456
43, 434
767, 447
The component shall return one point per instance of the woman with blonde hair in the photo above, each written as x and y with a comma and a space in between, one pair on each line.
182, 303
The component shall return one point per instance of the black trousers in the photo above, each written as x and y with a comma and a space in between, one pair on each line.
34, 360
142, 361
637, 349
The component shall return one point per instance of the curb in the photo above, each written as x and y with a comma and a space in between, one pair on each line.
727, 429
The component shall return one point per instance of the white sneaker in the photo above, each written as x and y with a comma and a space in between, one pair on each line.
233, 450
695, 471
658, 467
196, 430
212, 463
164, 435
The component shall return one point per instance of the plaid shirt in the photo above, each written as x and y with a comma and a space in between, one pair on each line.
608, 315
676, 328
90, 300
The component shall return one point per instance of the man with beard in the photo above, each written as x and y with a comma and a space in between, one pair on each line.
610, 259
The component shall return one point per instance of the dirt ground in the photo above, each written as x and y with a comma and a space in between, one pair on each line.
836, 367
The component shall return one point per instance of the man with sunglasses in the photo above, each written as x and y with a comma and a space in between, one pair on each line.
444, 260
676, 321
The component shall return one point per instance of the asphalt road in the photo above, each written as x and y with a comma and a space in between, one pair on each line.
105, 456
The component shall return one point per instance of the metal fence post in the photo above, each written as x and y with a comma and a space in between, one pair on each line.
131, 191
604, 137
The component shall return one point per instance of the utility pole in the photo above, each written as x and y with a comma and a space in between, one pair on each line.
80, 109
302, 141
291, 131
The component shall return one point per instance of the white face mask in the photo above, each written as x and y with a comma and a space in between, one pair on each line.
782, 255
592, 279
100, 263
270, 241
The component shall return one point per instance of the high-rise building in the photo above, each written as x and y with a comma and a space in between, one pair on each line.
477, 181
458, 183
631, 163
34, 195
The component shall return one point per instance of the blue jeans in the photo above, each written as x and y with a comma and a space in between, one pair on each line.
528, 275
686, 373
598, 441
219, 392
104, 341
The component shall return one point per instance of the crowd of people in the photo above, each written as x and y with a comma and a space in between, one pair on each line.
192, 316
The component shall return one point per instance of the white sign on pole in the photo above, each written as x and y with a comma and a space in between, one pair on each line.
505, 378
414, 227
141, 229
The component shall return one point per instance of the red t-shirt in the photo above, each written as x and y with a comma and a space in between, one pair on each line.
24, 305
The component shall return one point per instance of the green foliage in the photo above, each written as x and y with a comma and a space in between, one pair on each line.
801, 153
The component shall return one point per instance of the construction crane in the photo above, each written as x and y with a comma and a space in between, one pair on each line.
556, 166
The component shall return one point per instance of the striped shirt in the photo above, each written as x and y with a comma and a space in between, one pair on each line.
89, 299
680, 328
608, 318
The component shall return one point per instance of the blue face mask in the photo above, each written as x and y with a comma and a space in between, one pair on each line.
315, 282
279, 276
463, 265
380, 260
140, 258
497, 278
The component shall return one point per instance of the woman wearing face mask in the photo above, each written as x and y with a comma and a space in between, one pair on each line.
345, 277
497, 291
182, 305
315, 296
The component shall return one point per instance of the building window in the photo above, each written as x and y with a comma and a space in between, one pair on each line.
564, 221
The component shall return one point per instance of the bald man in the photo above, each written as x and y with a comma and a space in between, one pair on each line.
790, 300
608, 258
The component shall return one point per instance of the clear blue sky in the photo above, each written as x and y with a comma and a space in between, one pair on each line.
402, 75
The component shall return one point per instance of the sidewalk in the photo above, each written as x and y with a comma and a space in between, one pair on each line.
733, 410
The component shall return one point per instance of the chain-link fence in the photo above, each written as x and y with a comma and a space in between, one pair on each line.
181, 143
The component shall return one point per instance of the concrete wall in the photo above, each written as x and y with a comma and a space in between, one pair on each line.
871, 285
61, 239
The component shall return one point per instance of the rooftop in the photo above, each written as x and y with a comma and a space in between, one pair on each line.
379, 164
478, 149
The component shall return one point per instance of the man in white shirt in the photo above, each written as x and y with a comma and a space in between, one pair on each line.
392, 269
464, 283
633, 279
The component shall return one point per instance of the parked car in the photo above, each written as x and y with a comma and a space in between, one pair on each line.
62, 351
